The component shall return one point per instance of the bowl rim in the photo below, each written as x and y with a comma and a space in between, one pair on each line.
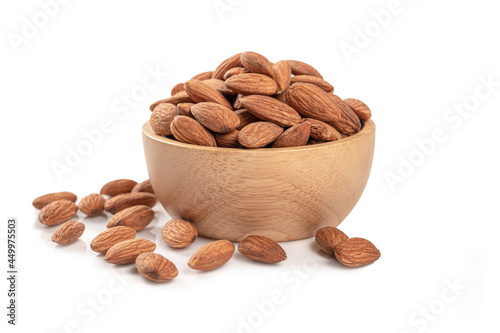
367, 130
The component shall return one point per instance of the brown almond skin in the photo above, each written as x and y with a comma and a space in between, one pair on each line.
155, 267
180, 97
356, 252
257, 63
282, 75
219, 85
237, 102
235, 71
259, 134
228, 140
203, 76
179, 233
126, 200
245, 118
177, 89
327, 87
161, 118
118, 186
57, 212
44, 200
188, 130
215, 117
92, 205
301, 68
68, 232
360, 109
212, 255
262, 249
272, 110
106, 239
144, 186
183, 109
327, 239
231, 62
136, 217
295, 136
348, 123
313, 102
199, 92
321, 131
251, 83
126, 252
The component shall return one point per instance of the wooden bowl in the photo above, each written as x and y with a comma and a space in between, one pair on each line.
282, 193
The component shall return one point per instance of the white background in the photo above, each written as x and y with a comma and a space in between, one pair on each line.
437, 226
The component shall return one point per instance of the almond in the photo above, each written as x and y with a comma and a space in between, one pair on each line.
68, 232
272, 110
334, 97
348, 123
294, 136
237, 102
44, 200
313, 102
235, 71
219, 85
257, 63
245, 118
177, 89
355, 252
231, 62
92, 204
202, 92
313, 80
301, 68
145, 186
282, 75
118, 186
179, 233
360, 109
135, 217
183, 109
261, 248
203, 76
155, 267
180, 97
328, 237
212, 256
127, 251
161, 118
215, 117
126, 200
106, 239
57, 212
321, 131
188, 130
228, 140
247, 84
259, 134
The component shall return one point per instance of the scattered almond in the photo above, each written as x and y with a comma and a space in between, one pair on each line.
126, 200
179, 233
212, 256
328, 238
44, 200
155, 267
356, 252
106, 239
68, 232
261, 248
57, 212
145, 186
127, 251
135, 217
118, 186
92, 204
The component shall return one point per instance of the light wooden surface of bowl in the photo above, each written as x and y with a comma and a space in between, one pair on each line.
282, 193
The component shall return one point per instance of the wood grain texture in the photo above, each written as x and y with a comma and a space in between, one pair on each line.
281, 193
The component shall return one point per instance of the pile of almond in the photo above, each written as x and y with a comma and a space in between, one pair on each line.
249, 102
130, 204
